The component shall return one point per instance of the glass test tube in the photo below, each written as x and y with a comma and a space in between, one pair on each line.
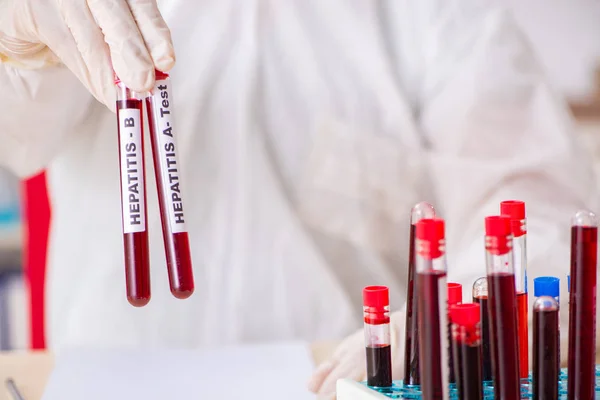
515, 210
546, 341
376, 309
466, 344
549, 286
582, 306
159, 105
480, 296
433, 308
454, 298
133, 195
411, 339
503, 308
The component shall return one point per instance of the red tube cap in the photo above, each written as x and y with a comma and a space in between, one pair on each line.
431, 229
376, 296
430, 238
454, 293
498, 226
467, 314
515, 209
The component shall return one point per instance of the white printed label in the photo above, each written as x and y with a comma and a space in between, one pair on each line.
132, 172
167, 151
444, 342
519, 278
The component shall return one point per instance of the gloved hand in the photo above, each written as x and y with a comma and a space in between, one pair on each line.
349, 359
91, 38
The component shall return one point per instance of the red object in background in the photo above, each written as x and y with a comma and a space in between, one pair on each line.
36, 218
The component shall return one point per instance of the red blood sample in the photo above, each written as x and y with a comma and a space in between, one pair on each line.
432, 308
480, 296
133, 193
582, 304
431, 316
376, 309
503, 317
502, 305
523, 329
515, 210
546, 341
379, 360
411, 338
454, 298
466, 345
168, 179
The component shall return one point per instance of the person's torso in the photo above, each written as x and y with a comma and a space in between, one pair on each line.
299, 160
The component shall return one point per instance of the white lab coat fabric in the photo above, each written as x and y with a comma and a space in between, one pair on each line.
307, 131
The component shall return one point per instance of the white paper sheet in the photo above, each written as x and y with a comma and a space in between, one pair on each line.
265, 372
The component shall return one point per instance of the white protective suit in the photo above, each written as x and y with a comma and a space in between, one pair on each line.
307, 129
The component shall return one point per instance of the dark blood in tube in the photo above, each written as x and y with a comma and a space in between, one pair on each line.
376, 310
466, 345
582, 305
546, 341
411, 343
480, 296
159, 105
133, 196
433, 309
502, 303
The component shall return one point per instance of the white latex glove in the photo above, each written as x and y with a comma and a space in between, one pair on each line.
349, 360
91, 38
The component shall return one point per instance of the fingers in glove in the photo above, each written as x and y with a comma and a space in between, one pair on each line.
92, 69
155, 32
319, 376
130, 57
94, 51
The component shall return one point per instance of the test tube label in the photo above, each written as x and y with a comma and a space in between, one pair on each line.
132, 176
168, 155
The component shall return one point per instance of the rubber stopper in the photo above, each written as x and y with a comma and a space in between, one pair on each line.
376, 296
546, 286
466, 314
514, 209
454, 293
431, 229
430, 233
498, 226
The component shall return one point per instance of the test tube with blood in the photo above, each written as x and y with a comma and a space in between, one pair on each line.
433, 309
582, 306
480, 296
376, 307
411, 338
454, 298
502, 305
466, 344
515, 210
159, 105
133, 194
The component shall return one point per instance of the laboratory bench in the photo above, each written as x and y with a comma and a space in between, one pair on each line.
31, 370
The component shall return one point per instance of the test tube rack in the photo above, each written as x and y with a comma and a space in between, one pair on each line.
348, 389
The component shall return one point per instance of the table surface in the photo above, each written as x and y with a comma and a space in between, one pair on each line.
31, 370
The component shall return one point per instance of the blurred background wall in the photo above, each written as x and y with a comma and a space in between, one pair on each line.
566, 35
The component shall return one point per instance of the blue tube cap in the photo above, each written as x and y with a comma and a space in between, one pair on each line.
546, 286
